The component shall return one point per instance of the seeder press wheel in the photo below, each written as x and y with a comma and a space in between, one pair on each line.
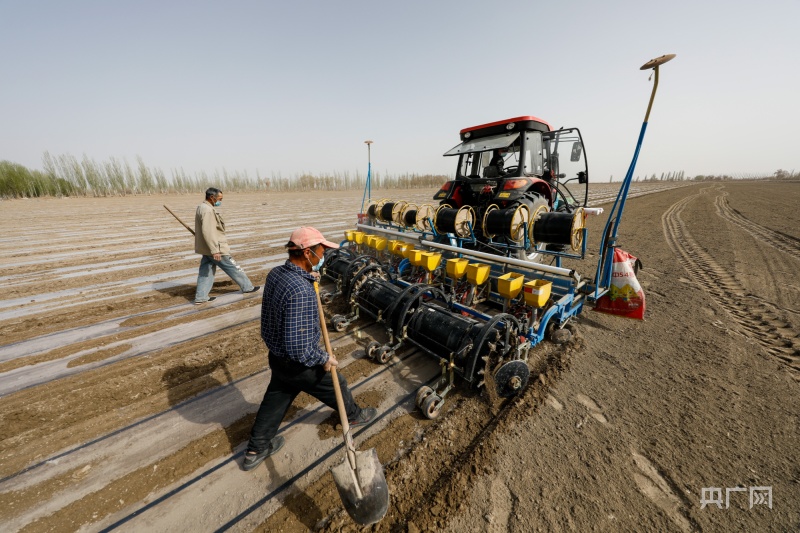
431, 406
429, 402
384, 354
339, 323
372, 349
326, 297
422, 393
381, 353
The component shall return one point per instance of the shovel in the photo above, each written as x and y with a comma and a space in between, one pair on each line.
359, 478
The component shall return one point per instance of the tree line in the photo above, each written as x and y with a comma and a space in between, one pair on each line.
66, 175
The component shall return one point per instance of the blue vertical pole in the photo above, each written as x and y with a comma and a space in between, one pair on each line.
609, 237
368, 186
369, 171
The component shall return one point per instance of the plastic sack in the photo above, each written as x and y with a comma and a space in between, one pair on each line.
625, 296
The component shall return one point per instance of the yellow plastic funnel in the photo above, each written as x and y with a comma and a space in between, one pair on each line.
404, 249
456, 267
429, 260
509, 285
413, 256
537, 292
478, 273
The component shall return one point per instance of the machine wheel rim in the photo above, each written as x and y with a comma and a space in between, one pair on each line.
430, 408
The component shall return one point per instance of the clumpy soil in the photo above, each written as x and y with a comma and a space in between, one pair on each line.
625, 428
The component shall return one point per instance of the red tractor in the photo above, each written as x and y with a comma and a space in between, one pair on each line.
510, 171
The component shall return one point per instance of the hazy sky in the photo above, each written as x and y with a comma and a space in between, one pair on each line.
298, 86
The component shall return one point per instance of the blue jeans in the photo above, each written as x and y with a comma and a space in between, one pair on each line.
208, 267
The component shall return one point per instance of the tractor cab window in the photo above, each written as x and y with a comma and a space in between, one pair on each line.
534, 152
563, 155
511, 157
470, 165
564, 162
488, 157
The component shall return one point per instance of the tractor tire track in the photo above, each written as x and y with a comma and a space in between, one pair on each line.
782, 243
755, 319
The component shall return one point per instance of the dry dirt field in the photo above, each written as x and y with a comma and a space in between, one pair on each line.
125, 407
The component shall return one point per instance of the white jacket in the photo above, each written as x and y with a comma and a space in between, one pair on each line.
209, 231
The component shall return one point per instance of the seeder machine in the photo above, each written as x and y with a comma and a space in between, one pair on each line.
465, 281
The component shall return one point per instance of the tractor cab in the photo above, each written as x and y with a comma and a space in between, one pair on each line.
518, 160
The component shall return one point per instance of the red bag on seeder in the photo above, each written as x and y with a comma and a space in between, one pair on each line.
625, 296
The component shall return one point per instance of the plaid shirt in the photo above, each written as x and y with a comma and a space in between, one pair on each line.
289, 316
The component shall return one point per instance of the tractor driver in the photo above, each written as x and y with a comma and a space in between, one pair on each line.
495, 167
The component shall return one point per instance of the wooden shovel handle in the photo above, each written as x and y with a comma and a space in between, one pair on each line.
179, 220
348, 440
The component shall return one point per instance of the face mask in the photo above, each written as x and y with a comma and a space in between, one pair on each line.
316, 267
218, 203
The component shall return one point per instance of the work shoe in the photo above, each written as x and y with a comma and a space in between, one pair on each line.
206, 301
253, 460
254, 289
366, 416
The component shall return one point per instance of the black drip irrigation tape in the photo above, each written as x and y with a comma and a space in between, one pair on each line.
290, 481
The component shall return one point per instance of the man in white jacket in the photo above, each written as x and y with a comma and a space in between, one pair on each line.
211, 243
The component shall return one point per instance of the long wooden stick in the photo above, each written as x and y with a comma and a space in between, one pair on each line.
179, 220
348, 438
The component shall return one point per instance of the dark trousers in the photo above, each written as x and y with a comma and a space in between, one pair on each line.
288, 380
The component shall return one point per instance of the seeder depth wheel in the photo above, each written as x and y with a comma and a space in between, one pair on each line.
372, 349
422, 394
430, 406
383, 354
339, 323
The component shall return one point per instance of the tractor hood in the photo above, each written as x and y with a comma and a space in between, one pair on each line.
483, 144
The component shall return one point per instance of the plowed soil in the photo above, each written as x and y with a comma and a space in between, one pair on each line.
123, 406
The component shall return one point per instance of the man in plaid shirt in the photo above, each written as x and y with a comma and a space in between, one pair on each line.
290, 329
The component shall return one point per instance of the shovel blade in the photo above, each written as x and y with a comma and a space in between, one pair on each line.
374, 503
